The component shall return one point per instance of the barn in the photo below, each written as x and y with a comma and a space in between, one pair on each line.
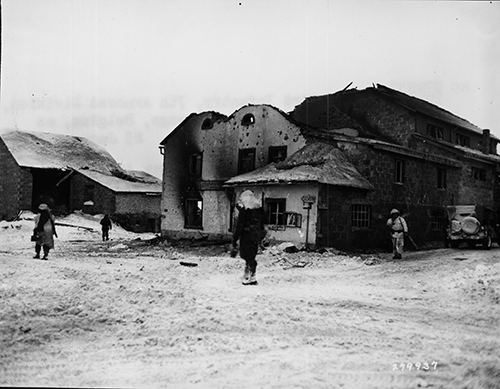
72, 173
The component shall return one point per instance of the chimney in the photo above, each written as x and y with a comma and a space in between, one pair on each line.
486, 142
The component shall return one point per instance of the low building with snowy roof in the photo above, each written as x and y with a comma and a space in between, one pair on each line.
72, 173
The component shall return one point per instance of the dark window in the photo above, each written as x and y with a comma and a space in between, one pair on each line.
246, 160
89, 193
361, 215
207, 124
194, 214
462, 140
277, 153
435, 131
478, 174
441, 178
195, 164
399, 171
275, 211
248, 119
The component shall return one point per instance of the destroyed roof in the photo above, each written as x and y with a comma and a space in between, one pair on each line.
331, 113
55, 151
315, 162
117, 184
424, 107
217, 116
335, 111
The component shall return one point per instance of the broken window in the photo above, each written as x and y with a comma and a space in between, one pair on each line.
441, 178
435, 131
277, 154
399, 171
478, 174
193, 214
207, 124
246, 160
293, 219
275, 211
462, 140
195, 164
248, 119
361, 215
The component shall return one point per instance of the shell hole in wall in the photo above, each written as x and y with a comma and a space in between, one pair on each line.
248, 119
207, 124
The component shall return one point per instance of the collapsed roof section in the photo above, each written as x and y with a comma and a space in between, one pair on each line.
335, 111
316, 162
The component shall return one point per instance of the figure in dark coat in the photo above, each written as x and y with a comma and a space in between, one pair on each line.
249, 231
106, 226
45, 230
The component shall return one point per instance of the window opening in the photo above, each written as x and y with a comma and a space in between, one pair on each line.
277, 153
246, 160
194, 213
361, 215
275, 211
248, 119
399, 171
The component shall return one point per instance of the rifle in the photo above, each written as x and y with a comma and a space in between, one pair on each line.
412, 241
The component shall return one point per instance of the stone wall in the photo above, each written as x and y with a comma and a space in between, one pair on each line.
418, 197
138, 203
103, 198
15, 185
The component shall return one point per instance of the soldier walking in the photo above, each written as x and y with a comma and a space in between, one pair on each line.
249, 231
399, 228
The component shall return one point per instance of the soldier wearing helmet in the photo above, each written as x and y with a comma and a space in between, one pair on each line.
399, 228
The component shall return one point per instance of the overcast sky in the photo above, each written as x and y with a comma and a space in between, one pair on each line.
124, 73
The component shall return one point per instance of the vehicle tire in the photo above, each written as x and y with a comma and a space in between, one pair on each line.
453, 244
471, 244
470, 225
487, 242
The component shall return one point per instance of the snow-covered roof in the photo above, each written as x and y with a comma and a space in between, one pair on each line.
65, 152
116, 184
56, 151
315, 162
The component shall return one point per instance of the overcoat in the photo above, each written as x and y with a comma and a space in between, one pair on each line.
46, 232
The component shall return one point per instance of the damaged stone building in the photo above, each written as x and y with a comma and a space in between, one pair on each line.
72, 173
331, 170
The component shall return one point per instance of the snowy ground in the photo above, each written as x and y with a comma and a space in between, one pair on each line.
126, 313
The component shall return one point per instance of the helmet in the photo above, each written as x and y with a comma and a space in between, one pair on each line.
394, 211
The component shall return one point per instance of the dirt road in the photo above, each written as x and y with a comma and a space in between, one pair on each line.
102, 314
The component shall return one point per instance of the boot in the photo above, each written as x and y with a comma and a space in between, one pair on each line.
246, 274
251, 280
37, 256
